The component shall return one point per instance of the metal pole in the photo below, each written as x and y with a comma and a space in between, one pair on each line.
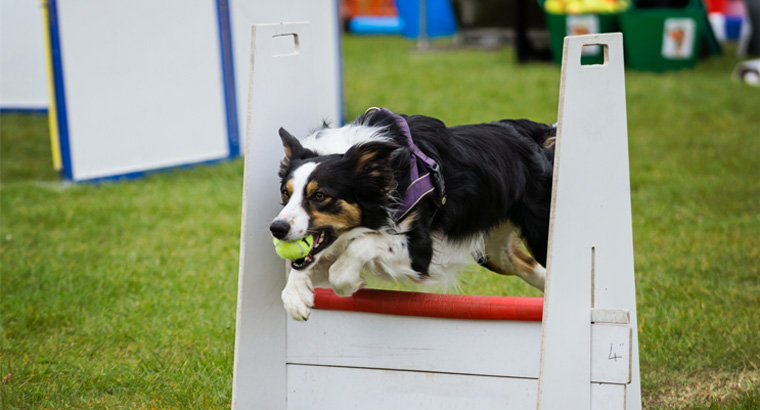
422, 40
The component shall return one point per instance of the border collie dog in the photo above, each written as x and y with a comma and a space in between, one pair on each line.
407, 198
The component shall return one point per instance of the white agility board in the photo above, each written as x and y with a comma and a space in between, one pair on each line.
23, 77
318, 387
324, 387
322, 16
476, 347
590, 263
342, 359
282, 73
351, 339
142, 85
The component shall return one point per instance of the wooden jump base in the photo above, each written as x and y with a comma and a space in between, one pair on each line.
576, 348
463, 307
458, 351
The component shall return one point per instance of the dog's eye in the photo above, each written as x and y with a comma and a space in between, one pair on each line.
319, 196
285, 195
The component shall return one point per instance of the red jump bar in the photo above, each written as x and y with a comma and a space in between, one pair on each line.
391, 302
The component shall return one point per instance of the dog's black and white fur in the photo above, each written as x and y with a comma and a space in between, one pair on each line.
343, 186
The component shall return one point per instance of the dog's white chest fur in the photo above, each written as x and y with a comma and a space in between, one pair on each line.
385, 254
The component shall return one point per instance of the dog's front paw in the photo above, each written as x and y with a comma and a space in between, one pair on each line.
298, 301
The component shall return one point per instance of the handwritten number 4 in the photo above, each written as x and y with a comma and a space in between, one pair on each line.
613, 355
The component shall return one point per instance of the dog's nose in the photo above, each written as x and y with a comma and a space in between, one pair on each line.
279, 228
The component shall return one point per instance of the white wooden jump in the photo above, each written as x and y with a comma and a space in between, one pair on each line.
576, 348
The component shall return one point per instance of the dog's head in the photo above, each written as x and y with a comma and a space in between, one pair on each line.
328, 195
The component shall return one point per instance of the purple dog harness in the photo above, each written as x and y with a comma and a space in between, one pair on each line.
421, 186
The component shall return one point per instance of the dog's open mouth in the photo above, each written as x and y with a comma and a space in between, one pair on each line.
322, 241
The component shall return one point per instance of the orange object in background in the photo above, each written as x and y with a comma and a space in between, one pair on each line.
371, 8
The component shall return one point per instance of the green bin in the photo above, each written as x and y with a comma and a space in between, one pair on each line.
561, 25
662, 39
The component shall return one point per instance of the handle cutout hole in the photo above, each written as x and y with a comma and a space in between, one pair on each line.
594, 54
284, 45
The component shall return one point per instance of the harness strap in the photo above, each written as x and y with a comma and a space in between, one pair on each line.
431, 182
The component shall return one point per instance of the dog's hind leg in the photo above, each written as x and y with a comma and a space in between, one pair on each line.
503, 255
527, 268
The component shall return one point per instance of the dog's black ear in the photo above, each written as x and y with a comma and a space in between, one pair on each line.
373, 171
371, 155
293, 147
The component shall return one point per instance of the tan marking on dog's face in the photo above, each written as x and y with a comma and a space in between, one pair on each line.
311, 188
288, 191
328, 212
348, 217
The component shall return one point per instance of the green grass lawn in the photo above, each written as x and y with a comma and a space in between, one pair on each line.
123, 295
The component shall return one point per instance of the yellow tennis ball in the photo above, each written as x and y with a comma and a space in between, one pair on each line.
293, 250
